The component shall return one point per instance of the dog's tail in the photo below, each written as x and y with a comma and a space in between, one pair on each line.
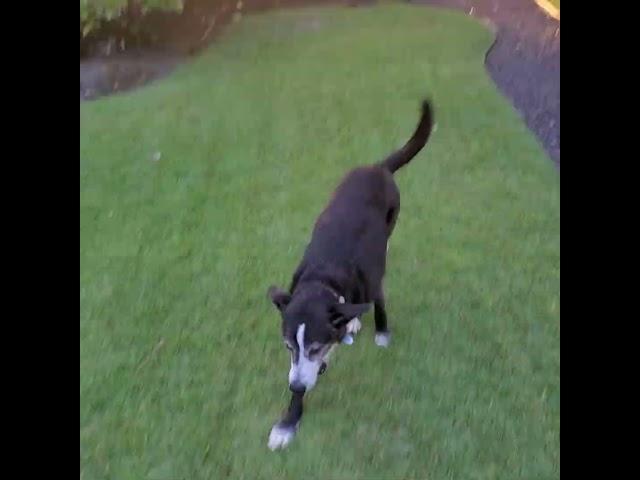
401, 157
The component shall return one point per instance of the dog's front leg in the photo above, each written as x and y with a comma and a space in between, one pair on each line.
383, 336
283, 432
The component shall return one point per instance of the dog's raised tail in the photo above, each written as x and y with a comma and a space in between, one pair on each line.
401, 157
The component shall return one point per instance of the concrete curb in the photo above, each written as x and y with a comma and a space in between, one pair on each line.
549, 8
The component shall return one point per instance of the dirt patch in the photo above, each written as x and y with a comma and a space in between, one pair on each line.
101, 76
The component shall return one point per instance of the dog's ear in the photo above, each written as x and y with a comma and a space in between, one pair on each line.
343, 313
279, 297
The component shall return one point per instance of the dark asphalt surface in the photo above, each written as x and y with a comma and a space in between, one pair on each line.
524, 61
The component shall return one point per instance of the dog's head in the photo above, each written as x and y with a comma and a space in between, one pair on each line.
313, 321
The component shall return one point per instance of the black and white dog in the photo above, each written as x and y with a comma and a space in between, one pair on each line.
341, 273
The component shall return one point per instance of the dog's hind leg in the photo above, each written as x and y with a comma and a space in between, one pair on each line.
383, 336
283, 432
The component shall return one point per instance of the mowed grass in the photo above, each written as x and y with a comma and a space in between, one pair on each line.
182, 368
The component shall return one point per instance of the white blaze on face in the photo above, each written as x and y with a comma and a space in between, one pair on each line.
305, 371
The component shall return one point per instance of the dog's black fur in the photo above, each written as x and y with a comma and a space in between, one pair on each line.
346, 257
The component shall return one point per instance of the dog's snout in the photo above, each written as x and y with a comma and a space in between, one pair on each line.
297, 387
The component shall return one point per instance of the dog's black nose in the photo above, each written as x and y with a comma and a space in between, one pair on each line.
323, 367
297, 387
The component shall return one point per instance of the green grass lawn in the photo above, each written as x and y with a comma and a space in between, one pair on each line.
182, 368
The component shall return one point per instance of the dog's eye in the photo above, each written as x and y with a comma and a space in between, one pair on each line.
314, 351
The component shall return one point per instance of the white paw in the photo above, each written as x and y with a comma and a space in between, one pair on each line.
280, 437
383, 339
347, 339
354, 326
